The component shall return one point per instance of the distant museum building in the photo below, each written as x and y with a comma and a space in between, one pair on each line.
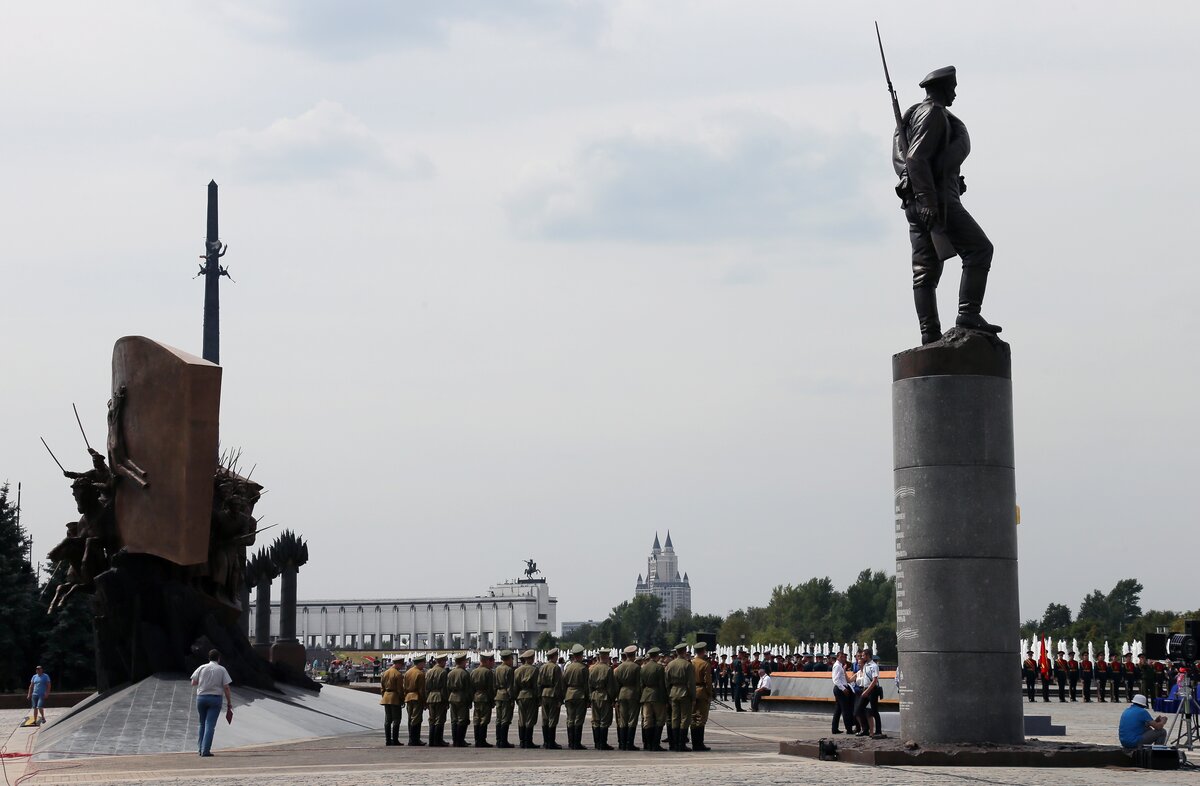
664, 581
512, 615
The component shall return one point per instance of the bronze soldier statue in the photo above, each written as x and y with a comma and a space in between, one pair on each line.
929, 147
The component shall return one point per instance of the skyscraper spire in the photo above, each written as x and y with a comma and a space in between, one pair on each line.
657, 548
669, 546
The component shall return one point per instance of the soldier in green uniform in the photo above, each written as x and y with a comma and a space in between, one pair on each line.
602, 682
575, 697
525, 683
414, 698
653, 680
391, 685
483, 680
681, 690
550, 680
435, 700
628, 691
704, 693
504, 698
461, 694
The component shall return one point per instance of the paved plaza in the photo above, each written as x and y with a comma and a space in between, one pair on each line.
744, 752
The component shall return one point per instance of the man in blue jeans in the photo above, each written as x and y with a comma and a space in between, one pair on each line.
1137, 728
211, 681
39, 689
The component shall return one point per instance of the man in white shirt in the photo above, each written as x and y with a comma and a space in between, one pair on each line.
763, 689
211, 681
843, 696
867, 706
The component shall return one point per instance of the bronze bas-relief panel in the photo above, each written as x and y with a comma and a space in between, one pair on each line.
167, 427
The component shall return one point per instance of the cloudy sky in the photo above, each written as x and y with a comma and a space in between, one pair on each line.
537, 278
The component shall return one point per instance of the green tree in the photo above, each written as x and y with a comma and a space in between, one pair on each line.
1056, 620
736, 630
1124, 602
68, 650
18, 599
546, 641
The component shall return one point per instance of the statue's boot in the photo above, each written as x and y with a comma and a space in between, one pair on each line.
970, 301
925, 299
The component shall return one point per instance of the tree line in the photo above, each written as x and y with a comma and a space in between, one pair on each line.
1114, 616
795, 614
61, 643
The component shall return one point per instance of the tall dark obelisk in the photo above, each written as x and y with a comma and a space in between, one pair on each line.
212, 277
956, 541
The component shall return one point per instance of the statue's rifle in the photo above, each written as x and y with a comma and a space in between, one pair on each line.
892, 91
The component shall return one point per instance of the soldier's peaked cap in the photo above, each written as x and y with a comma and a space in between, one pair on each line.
440, 656
654, 651
506, 653
940, 75
528, 654
630, 650
552, 652
398, 659
681, 646
576, 649
700, 646
419, 659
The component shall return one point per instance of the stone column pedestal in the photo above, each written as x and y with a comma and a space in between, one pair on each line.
957, 612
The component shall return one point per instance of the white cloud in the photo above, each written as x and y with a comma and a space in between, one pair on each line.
736, 177
326, 142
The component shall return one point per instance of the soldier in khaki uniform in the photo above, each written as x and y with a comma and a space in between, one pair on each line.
504, 698
628, 691
704, 694
575, 697
435, 700
483, 680
525, 683
550, 680
653, 680
602, 682
391, 684
414, 697
460, 694
681, 690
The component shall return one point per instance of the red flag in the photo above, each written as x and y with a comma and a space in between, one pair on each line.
1043, 661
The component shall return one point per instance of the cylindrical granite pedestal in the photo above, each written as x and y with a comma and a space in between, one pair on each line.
957, 613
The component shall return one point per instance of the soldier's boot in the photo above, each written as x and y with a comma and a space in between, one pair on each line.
571, 739
925, 299
681, 740
502, 736
579, 746
698, 739
548, 735
646, 744
481, 736
656, 738
670, 738
529, 743
387, 733
630, 736
602, 740
970, 300
458, 735
435, 735
414, 735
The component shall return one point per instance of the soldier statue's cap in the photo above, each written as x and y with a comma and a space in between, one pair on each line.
552, 652
419, 659
940, 75
630, 650
700, 646
681, 646
653, 651
576, 649
506, 654
528, 654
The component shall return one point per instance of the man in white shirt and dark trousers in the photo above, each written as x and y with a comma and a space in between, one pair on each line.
843, 696
211, 681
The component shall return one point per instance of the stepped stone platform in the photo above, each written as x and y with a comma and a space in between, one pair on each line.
158, 715
897, 753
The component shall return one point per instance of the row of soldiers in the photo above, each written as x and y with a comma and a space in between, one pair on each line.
1145, 677
671, 691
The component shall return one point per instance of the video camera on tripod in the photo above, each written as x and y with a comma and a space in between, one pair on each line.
1181, 650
